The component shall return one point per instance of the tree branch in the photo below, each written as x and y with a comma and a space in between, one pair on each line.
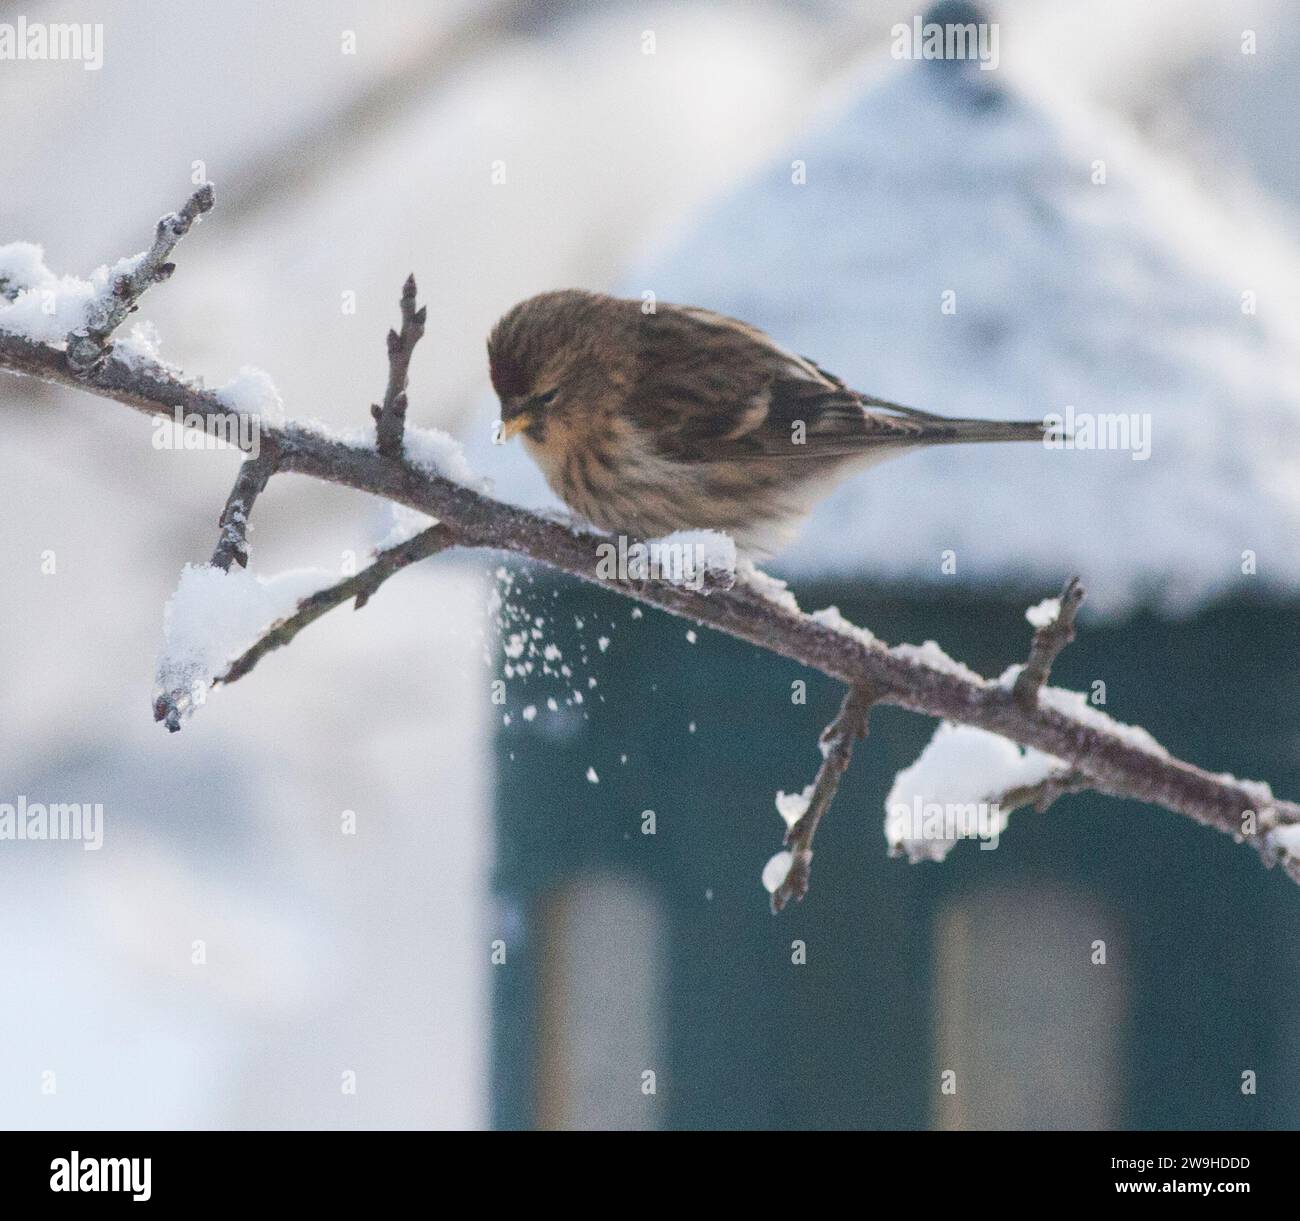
1108, 757
1113, 763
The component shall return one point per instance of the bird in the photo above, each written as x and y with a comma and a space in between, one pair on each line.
648, 418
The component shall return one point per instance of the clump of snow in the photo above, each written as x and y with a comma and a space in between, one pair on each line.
430, 449
792, 806
1285, 841
955, 788
403, 525
592, 777
354, 436
1045, 613
772, 588
43, 306
214, 616
706, 554
22, 265
829, 616
777, 870
141, 348
437, 453
252, 392
1075, 705
954, 791
1288, 839
930, 654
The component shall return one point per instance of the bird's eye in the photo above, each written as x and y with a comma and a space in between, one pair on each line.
545, 400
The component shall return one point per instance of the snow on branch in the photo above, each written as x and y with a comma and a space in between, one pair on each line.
787, 874
965, 785
88, 344
1054, 619
1010, 741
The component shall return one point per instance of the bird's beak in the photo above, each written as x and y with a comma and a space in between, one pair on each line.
516, 424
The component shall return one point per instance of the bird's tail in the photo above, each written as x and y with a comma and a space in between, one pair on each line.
958, 432
946, 430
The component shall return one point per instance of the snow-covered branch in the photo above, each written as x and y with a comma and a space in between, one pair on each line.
1067, 744
787, 874
356, 589
1054, 620
87, 344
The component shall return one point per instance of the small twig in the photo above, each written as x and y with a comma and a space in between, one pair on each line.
1041, 795
837, 742
361, 586
88, 345
1049, 640
390, 418
232, 541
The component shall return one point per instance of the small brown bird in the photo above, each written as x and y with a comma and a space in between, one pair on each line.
645, 423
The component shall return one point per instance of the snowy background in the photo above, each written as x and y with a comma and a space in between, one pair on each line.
339, 173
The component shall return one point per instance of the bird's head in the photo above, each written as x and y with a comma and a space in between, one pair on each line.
554, 353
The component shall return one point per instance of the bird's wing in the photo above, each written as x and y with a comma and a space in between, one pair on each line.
714, 389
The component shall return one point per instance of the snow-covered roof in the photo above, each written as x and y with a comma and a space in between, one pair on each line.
1110, 297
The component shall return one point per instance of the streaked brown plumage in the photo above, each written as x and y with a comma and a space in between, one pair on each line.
646, 423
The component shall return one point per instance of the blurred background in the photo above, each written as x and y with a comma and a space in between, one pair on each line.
1106, 220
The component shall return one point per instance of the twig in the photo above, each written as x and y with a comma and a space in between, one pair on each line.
1041, 795
390, 418
837, 741
88, 345
361, 586
1049, 641
232, 540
